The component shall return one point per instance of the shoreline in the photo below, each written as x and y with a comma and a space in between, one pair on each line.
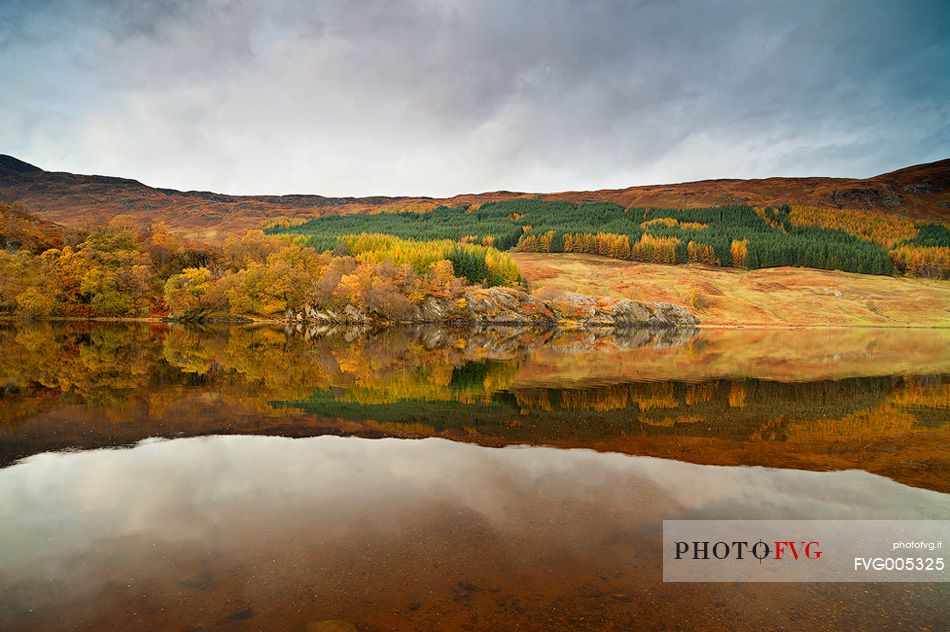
447, 323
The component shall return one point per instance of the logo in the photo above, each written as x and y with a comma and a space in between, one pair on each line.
804, 550
742, 549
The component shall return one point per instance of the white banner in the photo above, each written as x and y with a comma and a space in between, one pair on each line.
805, 550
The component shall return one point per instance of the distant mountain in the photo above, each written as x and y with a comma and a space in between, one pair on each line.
920, 191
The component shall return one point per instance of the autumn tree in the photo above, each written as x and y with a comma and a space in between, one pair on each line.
187, 294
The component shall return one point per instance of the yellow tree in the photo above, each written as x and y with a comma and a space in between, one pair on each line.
186, 293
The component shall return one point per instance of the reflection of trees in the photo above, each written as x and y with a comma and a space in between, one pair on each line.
809, 399
884, 420
437, 378
66, 385
922, 393
747, 410
114, 366
101, 365
904, 407
643, 396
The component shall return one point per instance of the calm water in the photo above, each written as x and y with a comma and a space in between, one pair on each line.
252, 478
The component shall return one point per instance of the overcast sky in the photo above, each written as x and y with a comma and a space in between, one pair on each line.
440, 97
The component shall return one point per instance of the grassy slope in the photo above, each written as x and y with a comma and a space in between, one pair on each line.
770, 297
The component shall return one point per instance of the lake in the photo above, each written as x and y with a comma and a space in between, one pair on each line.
228, 478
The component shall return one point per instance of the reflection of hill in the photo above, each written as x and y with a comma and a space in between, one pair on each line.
892, 426
722, 397
747, 410
797, 355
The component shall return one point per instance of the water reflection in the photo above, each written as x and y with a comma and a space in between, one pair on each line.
871, 399
210, 531
269, 532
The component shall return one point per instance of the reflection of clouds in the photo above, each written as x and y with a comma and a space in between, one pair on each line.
768, 493
56, 506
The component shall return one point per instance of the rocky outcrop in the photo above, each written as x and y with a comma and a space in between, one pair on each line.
510, 306
865, 198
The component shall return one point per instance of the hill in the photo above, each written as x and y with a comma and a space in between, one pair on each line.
20, 230
779, 297
920, 192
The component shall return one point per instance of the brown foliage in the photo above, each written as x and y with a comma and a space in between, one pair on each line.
125, 269
652, 249
923, 261
21, 231
740, 252
605, 244
535, 243
702, 253
884, 229
697, 299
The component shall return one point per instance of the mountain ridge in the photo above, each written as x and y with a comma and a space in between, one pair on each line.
919, 191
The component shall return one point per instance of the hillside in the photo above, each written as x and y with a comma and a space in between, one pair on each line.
20, 230
797, 297
921, 192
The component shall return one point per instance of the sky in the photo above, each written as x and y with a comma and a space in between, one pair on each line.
438, 97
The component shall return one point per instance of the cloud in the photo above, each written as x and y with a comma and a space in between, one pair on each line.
442, 96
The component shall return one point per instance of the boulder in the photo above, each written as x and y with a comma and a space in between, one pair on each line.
353, 315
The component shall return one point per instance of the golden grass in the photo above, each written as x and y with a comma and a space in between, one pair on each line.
784, 297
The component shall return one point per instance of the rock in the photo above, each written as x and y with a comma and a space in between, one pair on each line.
571, 306
923, 186
198, 582
627, 312
241, 615
500, 305
432, 310
512, 306
669, 315
353, 315
858, 197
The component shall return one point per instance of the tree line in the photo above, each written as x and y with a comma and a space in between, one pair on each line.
737, 236
478, 263
125, 269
